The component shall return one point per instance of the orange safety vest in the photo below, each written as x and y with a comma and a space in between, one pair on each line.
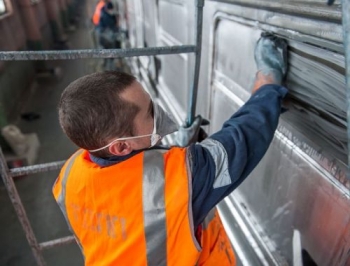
97, 13
138, 212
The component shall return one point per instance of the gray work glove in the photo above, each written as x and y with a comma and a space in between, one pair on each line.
187, 135
271, 56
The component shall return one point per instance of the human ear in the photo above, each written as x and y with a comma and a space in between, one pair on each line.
120, 148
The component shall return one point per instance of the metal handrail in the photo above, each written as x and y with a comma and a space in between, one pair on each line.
38, 168
95, 53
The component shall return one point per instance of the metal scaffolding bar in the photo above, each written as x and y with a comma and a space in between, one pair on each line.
20, 211
194, 90
38, 168
94, 53
57, 242
346, 36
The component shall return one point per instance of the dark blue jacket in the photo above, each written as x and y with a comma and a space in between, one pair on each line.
107, 21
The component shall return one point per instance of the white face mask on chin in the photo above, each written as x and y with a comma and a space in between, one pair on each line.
163, 124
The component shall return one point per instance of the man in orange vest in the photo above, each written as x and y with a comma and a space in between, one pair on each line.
96, 20
131, 202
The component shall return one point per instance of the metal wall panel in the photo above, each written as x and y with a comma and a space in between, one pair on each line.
290, 189
169, 12
302, 177
149, 26
150, 22
175, 69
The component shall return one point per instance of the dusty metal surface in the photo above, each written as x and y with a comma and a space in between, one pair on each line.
303, 174
314, 9
316, 84
319, 32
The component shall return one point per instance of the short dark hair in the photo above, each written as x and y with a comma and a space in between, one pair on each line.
91, 111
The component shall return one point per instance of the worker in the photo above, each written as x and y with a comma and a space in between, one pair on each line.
129, 201
96, 19
109, 33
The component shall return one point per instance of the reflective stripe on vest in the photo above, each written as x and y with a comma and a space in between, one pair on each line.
154, 207
62, 196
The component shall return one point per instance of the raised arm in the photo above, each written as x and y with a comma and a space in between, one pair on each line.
222, 161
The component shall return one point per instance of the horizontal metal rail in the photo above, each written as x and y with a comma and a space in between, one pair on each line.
37, 168
94, 53
57, 242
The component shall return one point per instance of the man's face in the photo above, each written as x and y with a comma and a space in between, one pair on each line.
143, 121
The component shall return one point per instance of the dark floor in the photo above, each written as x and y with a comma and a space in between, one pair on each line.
35, 190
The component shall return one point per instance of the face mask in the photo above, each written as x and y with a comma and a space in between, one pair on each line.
163, 124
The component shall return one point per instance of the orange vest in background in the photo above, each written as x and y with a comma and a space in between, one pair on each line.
138, 212
97, 13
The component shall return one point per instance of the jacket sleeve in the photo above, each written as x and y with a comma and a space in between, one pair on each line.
221, 162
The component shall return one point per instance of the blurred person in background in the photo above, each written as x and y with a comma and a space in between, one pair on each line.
109, 32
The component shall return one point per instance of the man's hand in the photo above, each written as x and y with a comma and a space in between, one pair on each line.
187, 135
271, 58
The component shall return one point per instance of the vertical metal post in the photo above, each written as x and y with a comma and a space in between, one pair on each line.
346, 37
198, 40
21, 213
